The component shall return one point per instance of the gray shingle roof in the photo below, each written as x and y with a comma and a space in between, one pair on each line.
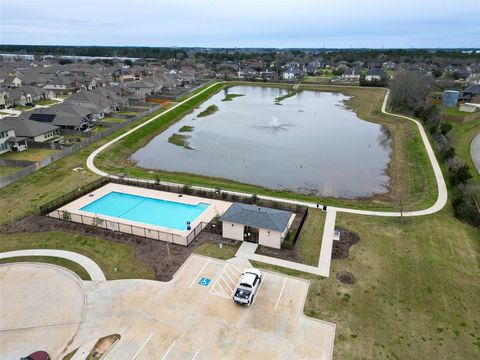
28, 128
257, 216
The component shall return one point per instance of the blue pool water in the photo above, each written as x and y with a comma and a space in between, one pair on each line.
169, 214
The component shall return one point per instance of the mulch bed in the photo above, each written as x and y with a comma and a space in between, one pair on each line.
341, 248
149, 251
346, 278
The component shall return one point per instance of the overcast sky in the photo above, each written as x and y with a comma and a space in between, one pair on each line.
243, 23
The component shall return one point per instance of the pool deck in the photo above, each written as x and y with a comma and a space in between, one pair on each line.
216, 207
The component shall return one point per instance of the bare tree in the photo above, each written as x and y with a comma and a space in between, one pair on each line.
409, 91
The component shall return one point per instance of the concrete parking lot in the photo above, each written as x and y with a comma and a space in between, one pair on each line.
41, 306
194, 317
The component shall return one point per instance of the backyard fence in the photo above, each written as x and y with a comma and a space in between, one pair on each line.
4, 181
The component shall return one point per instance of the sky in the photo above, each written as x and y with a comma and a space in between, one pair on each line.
243, 23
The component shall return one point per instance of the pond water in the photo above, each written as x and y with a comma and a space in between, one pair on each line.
309, 144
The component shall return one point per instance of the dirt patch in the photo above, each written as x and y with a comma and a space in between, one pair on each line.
346, 278
102, 346
341, 248
151, 252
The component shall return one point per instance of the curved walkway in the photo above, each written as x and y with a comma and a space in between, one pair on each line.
96, 274
441, 185
475, 151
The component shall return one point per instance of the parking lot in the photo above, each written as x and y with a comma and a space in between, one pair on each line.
194, 317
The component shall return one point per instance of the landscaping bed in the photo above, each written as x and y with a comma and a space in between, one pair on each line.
162, 257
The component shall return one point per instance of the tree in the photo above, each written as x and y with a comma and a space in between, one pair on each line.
460, 174
409, 91
128, 62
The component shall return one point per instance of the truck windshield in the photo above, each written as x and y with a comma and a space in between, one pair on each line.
243, 293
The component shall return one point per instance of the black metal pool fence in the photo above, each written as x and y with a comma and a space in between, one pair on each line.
217, 194
52, 207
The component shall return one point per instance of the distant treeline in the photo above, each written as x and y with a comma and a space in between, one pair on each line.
215, 55
133, 52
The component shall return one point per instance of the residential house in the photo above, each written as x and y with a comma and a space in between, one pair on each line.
144, 87
268, 74
471, 94
32, 130
292, 74
375, 74
11, 81
18, 97
85, 98
352, 74
265, 226
5, 101
6, 131
247, 73
63, 120
62, 85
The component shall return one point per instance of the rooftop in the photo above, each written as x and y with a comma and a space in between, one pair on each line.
257, 216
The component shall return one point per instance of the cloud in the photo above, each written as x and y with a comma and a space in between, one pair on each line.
227, 23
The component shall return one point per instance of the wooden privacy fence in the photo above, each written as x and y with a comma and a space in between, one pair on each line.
4, 181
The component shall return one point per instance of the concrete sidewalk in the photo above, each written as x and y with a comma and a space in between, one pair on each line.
96, 274
247, 252
441, 185
475, 151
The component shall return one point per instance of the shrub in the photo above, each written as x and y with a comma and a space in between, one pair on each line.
464, 209
66, 215
289, 241
448, 153
460, 174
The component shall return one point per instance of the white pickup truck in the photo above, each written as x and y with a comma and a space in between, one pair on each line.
248, 287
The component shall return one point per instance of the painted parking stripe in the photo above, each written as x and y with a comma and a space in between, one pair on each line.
168, 351
281, 293
198, 274
141, 347
195, 356
258, 291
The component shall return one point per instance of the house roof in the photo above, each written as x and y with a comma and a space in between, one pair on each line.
257, 216
376, 72
28, 128
472, 89
84, 96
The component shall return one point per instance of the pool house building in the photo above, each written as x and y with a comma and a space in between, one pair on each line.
258, 224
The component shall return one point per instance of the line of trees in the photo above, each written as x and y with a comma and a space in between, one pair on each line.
409, 94
429, 56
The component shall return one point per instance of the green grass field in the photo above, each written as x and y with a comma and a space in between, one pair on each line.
113, 120
213, 250
310, 238
116, 260
416, 290
7, 170
44, 102
31, 154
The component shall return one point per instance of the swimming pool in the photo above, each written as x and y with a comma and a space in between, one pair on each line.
165, 213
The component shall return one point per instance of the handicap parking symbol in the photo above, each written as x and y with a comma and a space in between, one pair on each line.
204, 281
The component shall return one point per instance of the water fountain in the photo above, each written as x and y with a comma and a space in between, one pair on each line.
275, 124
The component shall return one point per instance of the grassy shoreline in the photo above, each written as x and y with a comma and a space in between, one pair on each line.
412, 178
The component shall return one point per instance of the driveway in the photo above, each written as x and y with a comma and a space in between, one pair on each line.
189, 318
41, 307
